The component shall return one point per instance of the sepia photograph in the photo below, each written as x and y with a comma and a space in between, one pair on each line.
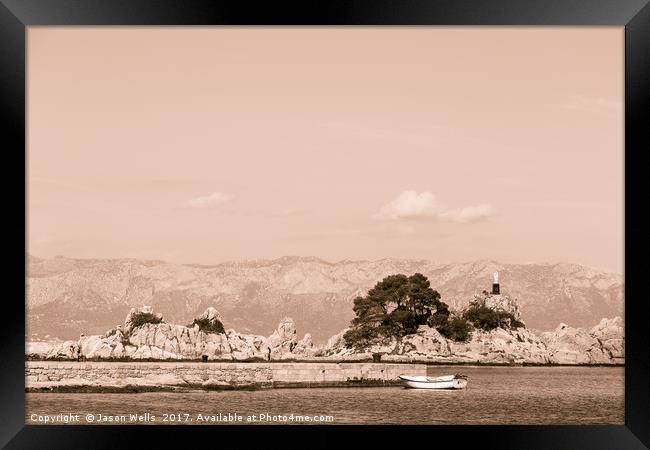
324, 225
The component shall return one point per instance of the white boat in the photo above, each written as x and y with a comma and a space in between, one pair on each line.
443, 382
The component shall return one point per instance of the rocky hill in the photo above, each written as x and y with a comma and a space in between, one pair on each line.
146, 335
601, 344
66, 297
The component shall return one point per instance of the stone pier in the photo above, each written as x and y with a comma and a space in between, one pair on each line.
98, 376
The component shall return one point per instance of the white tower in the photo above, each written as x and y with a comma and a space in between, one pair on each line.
495, 284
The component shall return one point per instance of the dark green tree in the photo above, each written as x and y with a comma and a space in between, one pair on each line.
423, 301
456, 328
485, 318
394, 307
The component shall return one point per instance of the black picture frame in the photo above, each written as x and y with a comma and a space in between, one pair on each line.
634, 15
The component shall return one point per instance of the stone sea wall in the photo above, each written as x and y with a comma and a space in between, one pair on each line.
72, 375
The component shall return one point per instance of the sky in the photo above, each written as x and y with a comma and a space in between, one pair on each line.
211, 144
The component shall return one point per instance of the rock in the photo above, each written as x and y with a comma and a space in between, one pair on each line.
259, 343
109, 333
143, 352
95, 347
283, 340
188, 343
608, 329
245, 347
286, 330
602, 344
158, 341
426, 341
306, 342
39, 349
499, 302
336, 343
503, 346
64, 350
388, 346
305, 347
211, 314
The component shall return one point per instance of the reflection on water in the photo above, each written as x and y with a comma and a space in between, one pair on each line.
495, 395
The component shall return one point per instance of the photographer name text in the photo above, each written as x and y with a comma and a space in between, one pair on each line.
100, 418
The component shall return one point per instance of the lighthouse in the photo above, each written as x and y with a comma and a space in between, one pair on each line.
495, 284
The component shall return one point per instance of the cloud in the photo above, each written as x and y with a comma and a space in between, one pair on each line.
209, 201
468, 214
411, 205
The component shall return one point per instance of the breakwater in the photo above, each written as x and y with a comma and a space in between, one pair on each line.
134, 376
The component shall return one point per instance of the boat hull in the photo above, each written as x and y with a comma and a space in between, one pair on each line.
424, 383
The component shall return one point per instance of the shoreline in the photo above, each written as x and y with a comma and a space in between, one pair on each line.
137, 389
328, 361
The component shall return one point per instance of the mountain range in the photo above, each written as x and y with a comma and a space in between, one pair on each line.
66, 297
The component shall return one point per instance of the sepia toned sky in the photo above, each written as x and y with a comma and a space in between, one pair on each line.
201, 145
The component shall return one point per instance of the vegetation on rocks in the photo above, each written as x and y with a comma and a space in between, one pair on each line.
209, 326
487, 319
456, 328
209, 322
140, 318
397, 305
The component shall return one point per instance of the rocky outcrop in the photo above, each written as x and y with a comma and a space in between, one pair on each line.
211, 316
145, 335
284, 338
139, 339
210, 321
63, 350
336, 342
305, 345
247, 346
502, 303
602, 344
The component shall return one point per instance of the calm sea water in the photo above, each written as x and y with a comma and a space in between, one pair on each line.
495, 395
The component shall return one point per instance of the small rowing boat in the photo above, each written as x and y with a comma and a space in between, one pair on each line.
457, 381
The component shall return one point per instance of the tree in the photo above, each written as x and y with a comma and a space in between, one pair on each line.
423, 301
208, 326
394, 307
456, 328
